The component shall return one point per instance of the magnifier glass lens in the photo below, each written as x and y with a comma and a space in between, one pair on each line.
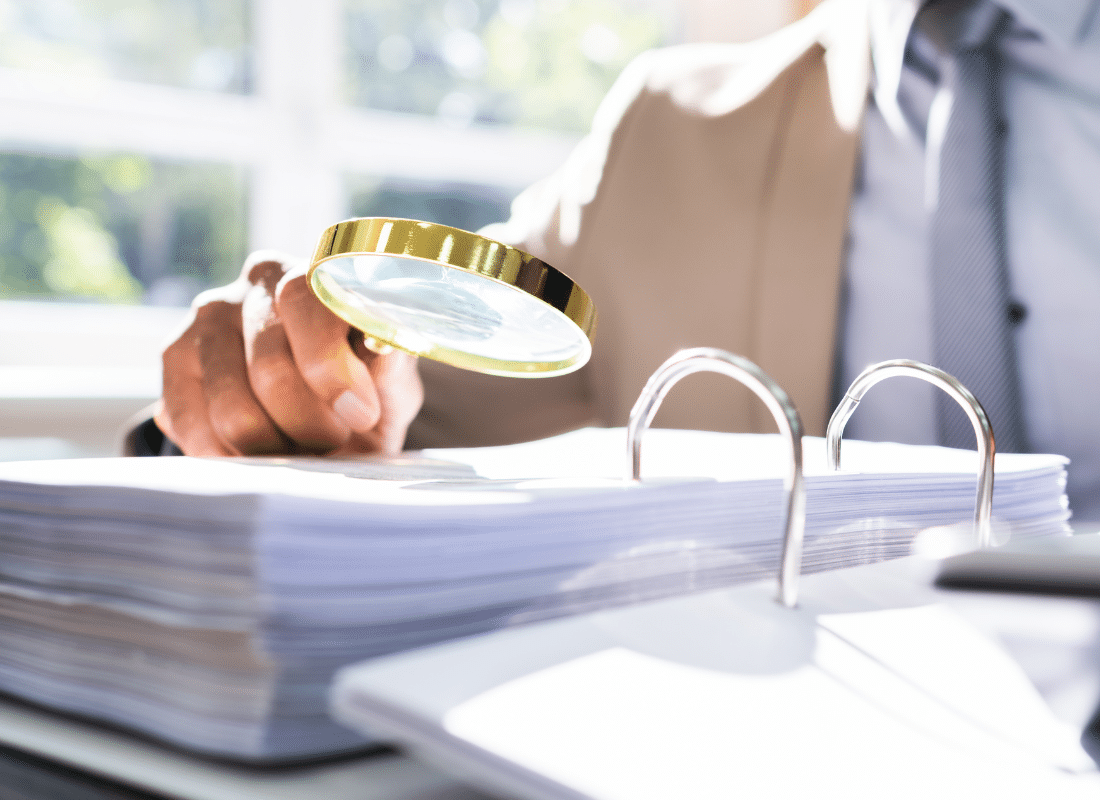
429, 309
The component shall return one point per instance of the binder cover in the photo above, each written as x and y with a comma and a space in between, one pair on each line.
871, 688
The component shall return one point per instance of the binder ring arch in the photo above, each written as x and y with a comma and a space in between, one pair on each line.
987, 449
712, 359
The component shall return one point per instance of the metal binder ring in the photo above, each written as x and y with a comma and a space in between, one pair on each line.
987, 449
710, 359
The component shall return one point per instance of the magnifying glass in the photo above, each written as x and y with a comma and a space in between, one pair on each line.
453, 296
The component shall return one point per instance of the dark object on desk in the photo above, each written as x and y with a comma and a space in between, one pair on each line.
27, 777
1090, 738
1068, 567
45, 755
147, 439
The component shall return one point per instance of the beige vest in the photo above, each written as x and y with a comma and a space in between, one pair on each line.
707, 208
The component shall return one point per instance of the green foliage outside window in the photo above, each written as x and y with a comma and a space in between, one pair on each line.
117, 228
459, 205
540, 63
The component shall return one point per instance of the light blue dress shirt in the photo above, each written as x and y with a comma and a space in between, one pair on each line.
1051, 102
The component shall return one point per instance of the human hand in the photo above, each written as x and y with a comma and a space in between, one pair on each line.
263, 367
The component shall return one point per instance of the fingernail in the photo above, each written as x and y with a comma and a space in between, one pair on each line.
354, 412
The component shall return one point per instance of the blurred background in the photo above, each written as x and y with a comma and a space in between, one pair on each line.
147, 145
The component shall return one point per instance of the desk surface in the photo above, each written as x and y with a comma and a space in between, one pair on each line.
149, 767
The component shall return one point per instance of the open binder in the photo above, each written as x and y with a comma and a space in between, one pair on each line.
209, 602
870, 688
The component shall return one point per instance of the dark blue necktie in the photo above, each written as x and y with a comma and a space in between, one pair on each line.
972, 312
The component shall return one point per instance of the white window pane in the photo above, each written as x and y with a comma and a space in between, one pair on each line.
198, 44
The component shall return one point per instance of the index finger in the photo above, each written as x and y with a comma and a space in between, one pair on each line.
319, 342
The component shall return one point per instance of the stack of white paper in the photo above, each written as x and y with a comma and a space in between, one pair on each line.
208, 602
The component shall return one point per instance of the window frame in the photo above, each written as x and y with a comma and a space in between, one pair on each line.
294, 136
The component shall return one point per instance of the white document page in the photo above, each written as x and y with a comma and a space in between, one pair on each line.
622, 725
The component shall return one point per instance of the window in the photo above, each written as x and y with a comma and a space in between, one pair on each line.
526, 62
149, 143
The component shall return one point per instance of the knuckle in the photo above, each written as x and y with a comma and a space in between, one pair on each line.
246, 430
181, 429
265, 273
259, 317
180, 355
217, 311
172, 355
210, 320
293, 288
270, 375
268, 259
183, 333
229, 293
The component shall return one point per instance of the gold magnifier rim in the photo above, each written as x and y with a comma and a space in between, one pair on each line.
459, 249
